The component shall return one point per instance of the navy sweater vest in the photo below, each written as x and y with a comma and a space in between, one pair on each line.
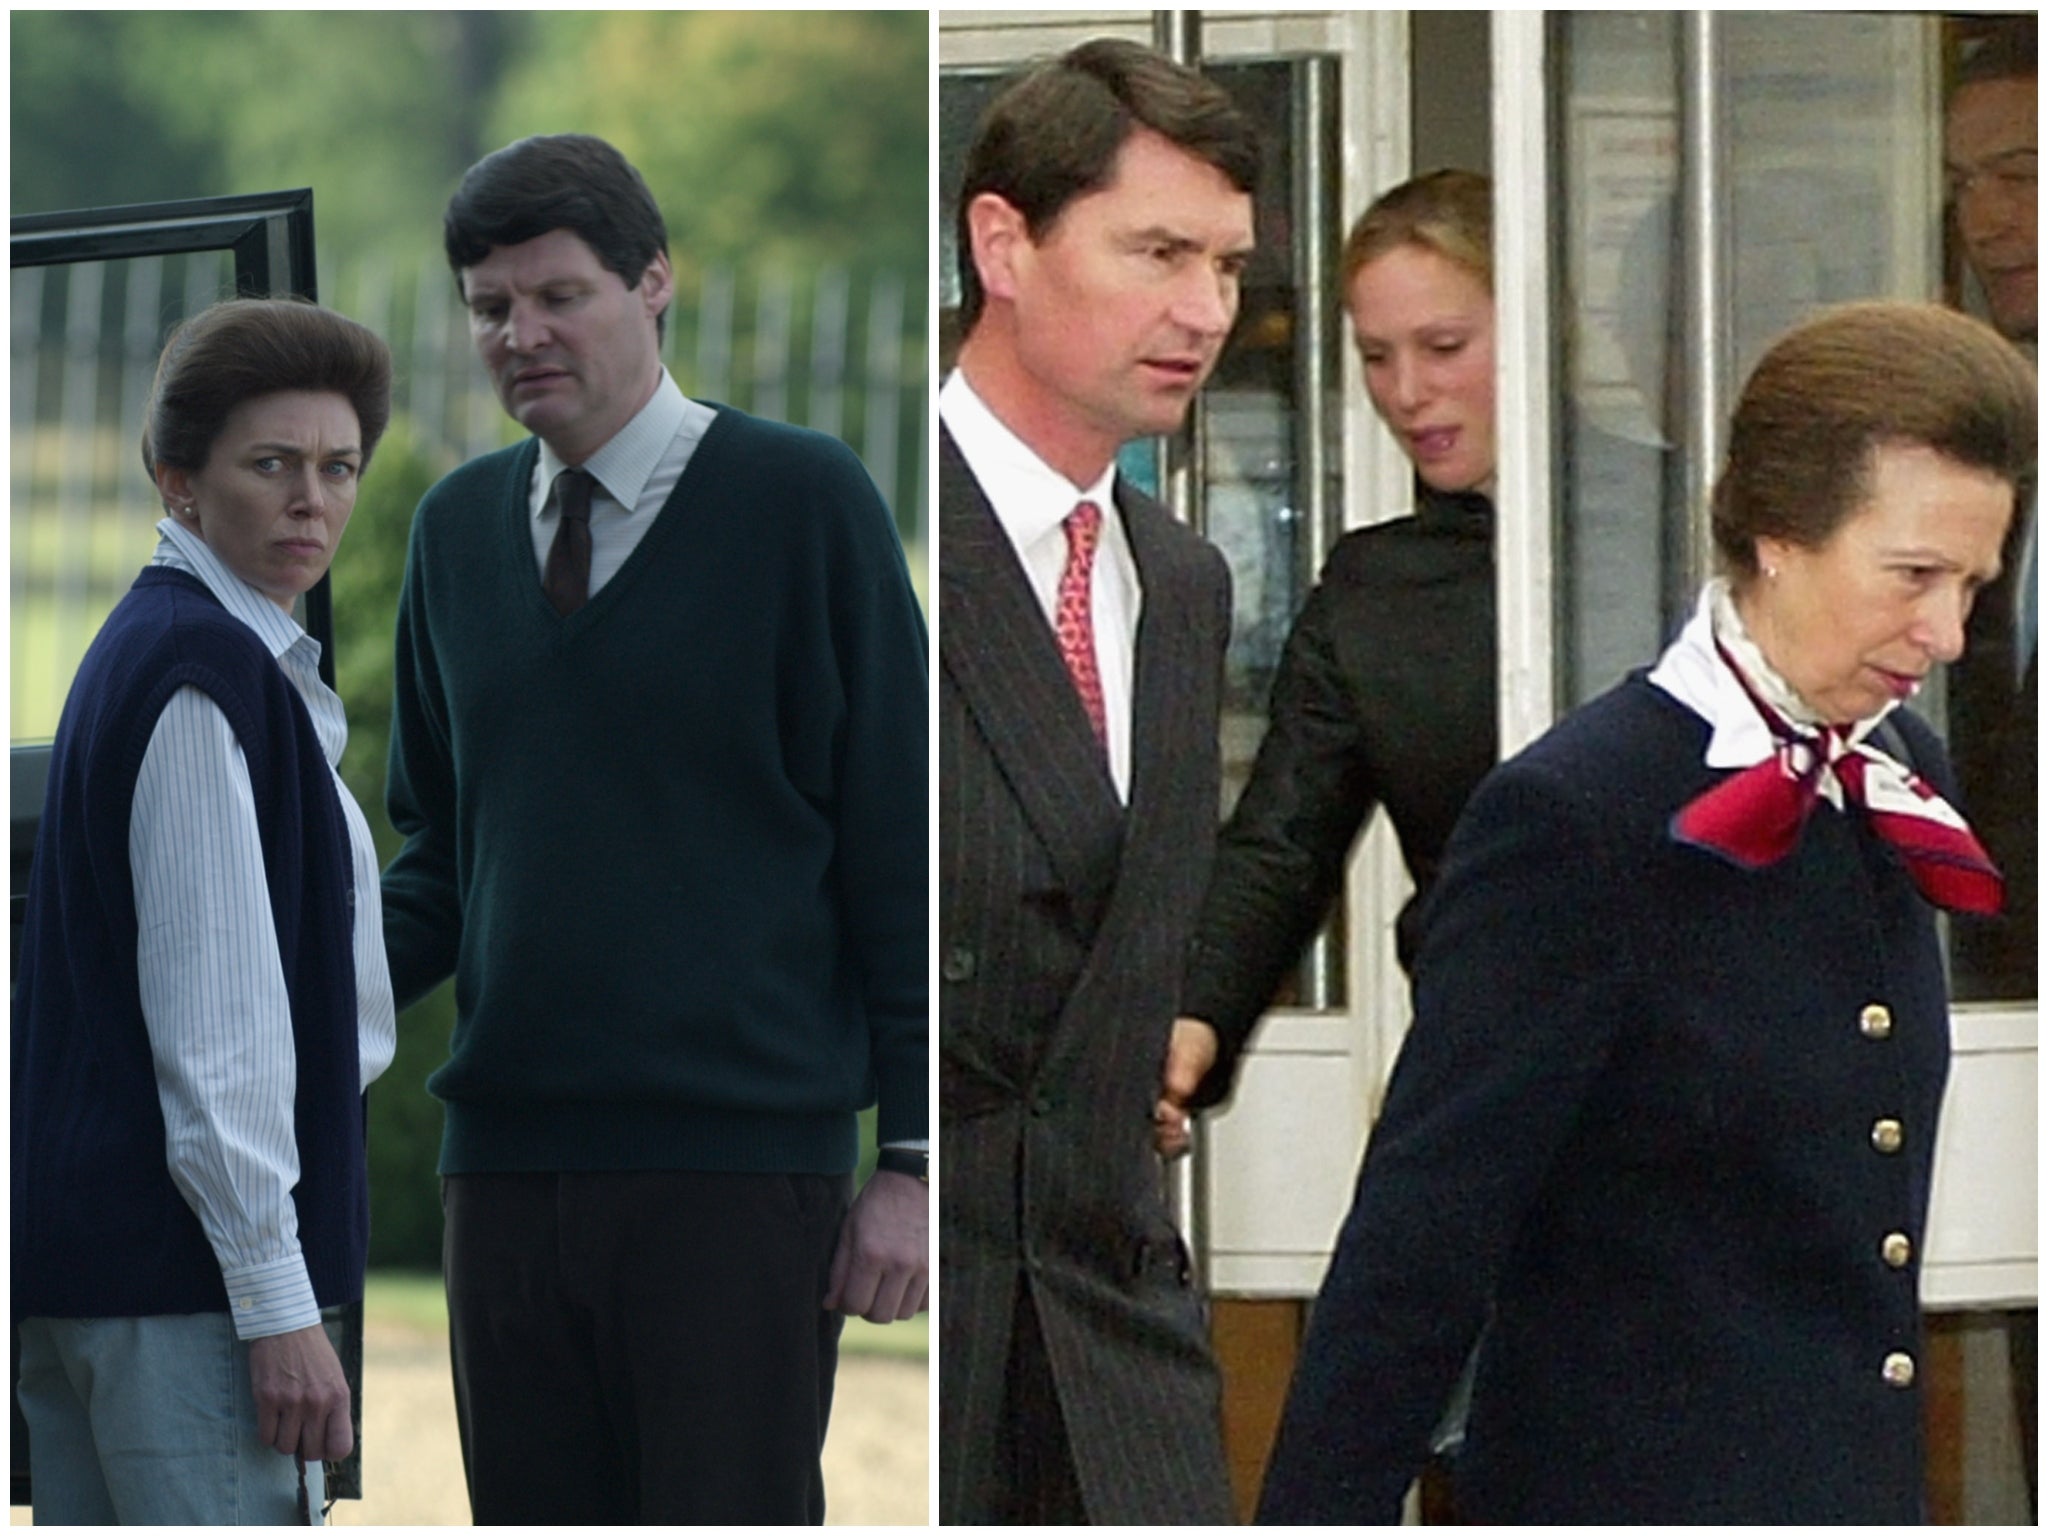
99, 1230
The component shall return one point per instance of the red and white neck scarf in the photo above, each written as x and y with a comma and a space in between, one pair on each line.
1787, 759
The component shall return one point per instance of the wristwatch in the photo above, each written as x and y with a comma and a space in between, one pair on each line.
905, 1160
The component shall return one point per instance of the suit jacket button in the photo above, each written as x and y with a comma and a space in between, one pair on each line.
1897, 1249
1887, 1136
1041, 1106
958, 964
1898, 1369
1875, 1022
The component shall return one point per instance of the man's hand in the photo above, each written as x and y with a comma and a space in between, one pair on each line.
301, 1395
1190, 1053
883, 1263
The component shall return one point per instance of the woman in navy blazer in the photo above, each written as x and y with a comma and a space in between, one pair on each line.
1661, 1137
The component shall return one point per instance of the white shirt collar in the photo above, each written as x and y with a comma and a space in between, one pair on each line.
1029, 496
628, 458
183, 550
1694, 672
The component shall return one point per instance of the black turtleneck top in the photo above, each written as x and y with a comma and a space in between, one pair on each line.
1384, 696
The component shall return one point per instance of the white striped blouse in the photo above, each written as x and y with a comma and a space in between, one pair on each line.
213, 988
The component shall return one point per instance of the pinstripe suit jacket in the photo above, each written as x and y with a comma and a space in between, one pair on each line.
1065, 921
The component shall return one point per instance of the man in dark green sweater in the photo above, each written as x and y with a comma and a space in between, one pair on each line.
658, 753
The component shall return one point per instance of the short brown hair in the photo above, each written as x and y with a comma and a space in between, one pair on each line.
240, 349
1055, 135
1853, 378
1449, 212
572, 181
2011, 51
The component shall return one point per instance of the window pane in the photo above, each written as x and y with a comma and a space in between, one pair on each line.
1990, 144
1623, 552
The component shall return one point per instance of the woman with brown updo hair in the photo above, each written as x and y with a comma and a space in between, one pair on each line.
1661, 1136
202, 993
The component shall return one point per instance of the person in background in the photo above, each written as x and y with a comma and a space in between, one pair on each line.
1664, 1125
658, 755
1991, 160
202, 995
1990, 157
1105, 222
1385, 692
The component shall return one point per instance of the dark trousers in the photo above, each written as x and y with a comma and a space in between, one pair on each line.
644, 1347
1035, 1482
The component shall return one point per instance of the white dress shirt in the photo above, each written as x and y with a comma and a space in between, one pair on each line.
213, 990
635, 472
1031, 501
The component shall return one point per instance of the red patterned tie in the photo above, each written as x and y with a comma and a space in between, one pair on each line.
1753, 818
1075, 619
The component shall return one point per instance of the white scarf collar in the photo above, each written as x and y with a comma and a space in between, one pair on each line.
1694, 671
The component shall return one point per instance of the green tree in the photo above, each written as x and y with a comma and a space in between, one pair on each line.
777, 137
378, 111
81, 138
405, 1120
768, 137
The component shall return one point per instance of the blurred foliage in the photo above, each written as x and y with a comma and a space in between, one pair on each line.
405, 1120
791, 152
81, 134
768, 137
378, 111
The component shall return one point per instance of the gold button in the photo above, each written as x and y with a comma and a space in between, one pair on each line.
1887, 1135
1876, 1022
1898, 1370
1897, 1249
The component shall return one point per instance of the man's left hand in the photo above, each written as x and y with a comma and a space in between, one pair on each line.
883, 1264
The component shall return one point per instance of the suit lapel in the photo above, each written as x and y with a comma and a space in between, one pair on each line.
1001, 654
1165, 660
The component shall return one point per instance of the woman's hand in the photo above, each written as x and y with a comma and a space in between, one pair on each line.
301, 1395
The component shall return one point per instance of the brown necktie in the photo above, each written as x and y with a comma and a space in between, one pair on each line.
567, 578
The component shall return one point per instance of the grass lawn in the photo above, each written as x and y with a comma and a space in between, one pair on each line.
413, 1299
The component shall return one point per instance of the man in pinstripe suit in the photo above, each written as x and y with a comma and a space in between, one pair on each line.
1106, 217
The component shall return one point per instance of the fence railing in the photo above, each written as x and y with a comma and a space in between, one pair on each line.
841, 351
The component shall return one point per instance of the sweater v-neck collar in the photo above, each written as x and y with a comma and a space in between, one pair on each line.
516, 533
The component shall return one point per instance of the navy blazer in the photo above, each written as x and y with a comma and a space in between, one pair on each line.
1663, 1131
